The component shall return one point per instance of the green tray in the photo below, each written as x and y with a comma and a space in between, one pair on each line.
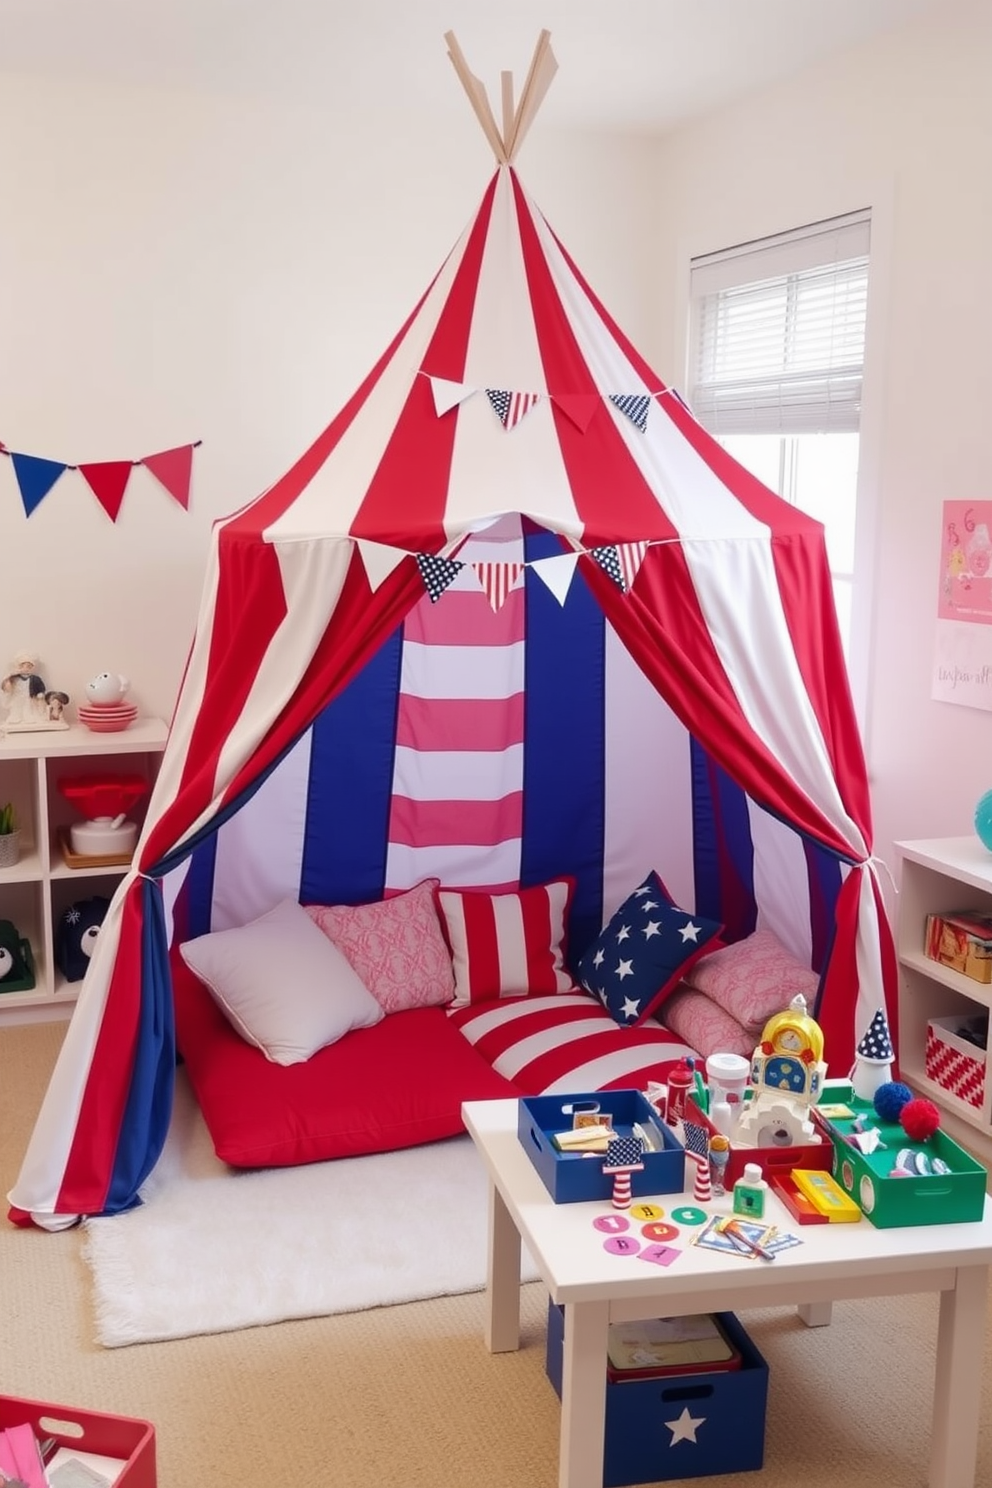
945, 1198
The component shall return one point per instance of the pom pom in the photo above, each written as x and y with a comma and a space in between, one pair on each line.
890, 1099
919, 1119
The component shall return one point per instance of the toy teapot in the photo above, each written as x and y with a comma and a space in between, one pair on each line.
107, 687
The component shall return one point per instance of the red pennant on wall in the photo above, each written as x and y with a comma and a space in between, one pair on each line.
108, 480
173, 469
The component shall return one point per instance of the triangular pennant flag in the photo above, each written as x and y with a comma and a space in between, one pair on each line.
635, 406
579, 407
437, 573
35, 477
556, 573
510, 407
497, 579
172, 468
630, 557
380, 560
108, 482
609, 561
447, 393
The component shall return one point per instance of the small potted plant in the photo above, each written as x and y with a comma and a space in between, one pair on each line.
10, 837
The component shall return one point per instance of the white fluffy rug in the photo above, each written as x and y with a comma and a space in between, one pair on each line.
211, 1250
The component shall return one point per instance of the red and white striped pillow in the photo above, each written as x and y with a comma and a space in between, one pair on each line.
510, 944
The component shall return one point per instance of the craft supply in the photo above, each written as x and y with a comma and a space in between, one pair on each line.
701, 1093
749, 1192
721, 1114
702, 1188
730, 1226
799, 1206
583, 1138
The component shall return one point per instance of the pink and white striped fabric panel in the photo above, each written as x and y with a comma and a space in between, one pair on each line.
567, 1042
457, 805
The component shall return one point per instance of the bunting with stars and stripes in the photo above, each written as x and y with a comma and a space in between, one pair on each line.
635, 406
510, 407
497, 579
437, 573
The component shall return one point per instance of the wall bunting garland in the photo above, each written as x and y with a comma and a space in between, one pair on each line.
107, 479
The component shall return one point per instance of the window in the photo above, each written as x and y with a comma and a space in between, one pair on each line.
776, 356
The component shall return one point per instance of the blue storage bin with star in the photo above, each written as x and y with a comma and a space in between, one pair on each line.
679, 1425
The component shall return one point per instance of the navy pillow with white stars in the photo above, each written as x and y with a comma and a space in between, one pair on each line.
643, 953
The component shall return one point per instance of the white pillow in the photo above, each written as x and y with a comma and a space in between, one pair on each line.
282, 984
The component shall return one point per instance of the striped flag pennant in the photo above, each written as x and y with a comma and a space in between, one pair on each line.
509, 406
437, 573
497, 579
635, 406
630, 557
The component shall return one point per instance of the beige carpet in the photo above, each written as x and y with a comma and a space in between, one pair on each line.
407, 1397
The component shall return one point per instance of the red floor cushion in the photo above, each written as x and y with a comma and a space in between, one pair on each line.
396, 1084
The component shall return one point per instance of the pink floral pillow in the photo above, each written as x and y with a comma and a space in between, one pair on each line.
396, 946
753, 979
704, 1025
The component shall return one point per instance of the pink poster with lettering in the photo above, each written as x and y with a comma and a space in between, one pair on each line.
966, 562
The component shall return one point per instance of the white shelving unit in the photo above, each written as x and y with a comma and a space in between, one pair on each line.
939, 875
40, 886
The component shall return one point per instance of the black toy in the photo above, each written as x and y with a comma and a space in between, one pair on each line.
75, 938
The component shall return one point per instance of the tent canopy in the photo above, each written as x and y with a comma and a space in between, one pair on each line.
509, 442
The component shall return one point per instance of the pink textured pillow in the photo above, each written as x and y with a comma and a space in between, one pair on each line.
753, 979
395, 945
508, 945
703, 1025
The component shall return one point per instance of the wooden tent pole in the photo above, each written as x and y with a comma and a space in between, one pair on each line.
476, 97
516, 121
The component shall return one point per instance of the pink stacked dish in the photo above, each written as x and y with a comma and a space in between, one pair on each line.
107, 718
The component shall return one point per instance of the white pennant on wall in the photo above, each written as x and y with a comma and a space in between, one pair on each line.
379, 560
556, 573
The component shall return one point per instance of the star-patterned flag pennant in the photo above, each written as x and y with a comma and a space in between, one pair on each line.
437, 573
35, 478
635, 406
448, 394
108, 481
556, 573
497, 579
172, 469
876, 1043
579, 407
510, 407
630, 556
609, 561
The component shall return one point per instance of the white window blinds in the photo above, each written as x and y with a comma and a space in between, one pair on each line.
777, 332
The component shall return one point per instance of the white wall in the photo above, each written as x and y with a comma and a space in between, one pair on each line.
903, 124
176, 268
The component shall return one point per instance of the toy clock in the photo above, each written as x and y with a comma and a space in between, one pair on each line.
789, 1059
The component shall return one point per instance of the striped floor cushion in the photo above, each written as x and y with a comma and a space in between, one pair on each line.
567, 1042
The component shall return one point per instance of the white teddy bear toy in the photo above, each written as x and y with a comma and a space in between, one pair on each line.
107, 687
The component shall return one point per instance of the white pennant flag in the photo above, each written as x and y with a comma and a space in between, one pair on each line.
379, 560
556, 573
447, 394
497, 579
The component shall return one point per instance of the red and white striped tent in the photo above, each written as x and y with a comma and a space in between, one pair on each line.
514, 614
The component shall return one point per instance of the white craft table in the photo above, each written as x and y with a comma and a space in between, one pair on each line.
834, 1261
